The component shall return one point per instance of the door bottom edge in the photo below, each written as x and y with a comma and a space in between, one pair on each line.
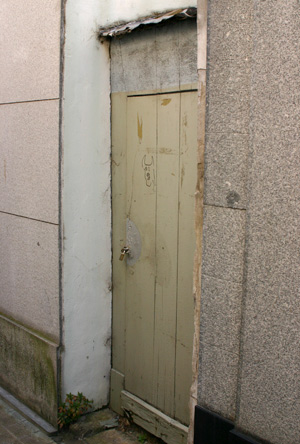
153, 420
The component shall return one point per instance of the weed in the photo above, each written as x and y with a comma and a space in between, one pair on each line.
142, 438
73, 407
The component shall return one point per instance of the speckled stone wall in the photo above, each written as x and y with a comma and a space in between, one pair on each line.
250, 309
225, 183
269, 380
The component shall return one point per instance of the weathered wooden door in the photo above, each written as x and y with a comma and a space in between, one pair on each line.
154, 177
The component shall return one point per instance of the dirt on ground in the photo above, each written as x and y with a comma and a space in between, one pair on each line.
105, 427
136, 432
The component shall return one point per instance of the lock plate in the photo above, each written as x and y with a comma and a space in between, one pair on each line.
124, 250
133, 239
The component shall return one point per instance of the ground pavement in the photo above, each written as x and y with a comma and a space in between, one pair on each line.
15, 429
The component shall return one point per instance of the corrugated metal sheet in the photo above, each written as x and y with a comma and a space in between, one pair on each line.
128, 27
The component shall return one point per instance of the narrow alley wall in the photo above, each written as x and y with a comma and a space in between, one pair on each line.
250, 317
29, 144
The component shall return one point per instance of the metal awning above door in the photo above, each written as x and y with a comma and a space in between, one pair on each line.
180, 14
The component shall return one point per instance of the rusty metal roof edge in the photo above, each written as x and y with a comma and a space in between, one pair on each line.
125, 28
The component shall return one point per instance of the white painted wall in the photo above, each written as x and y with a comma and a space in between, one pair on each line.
86, 191
123, 11
86, 206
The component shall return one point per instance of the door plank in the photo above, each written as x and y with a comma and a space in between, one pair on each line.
141, 209
186, 245
118, 227
166, 251
153, 420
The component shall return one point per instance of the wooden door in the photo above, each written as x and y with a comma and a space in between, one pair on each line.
154, 177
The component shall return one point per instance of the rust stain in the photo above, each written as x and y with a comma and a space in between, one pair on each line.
140, 128
165, 102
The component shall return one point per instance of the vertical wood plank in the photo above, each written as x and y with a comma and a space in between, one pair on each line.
186, 246
141, 209
118, 103
166, 250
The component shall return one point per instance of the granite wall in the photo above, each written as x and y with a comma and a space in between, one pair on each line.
250, 311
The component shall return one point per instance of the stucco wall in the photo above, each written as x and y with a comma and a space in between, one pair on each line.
249, 360
29, 143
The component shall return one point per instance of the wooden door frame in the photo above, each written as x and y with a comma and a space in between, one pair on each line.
199, 194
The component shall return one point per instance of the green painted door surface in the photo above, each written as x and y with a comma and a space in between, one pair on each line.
154, 178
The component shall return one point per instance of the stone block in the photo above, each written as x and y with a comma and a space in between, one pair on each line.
228, 96
269, 384
223, 243
276, 82
29, 273
28, 368
29, 159
221, 310
30, 50
217, 384
229, 67
230, 27
225, 178
155, 59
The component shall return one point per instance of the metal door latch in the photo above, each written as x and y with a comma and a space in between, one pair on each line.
124, 250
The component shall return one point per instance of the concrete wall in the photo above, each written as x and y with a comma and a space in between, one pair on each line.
250, 318
29, 144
